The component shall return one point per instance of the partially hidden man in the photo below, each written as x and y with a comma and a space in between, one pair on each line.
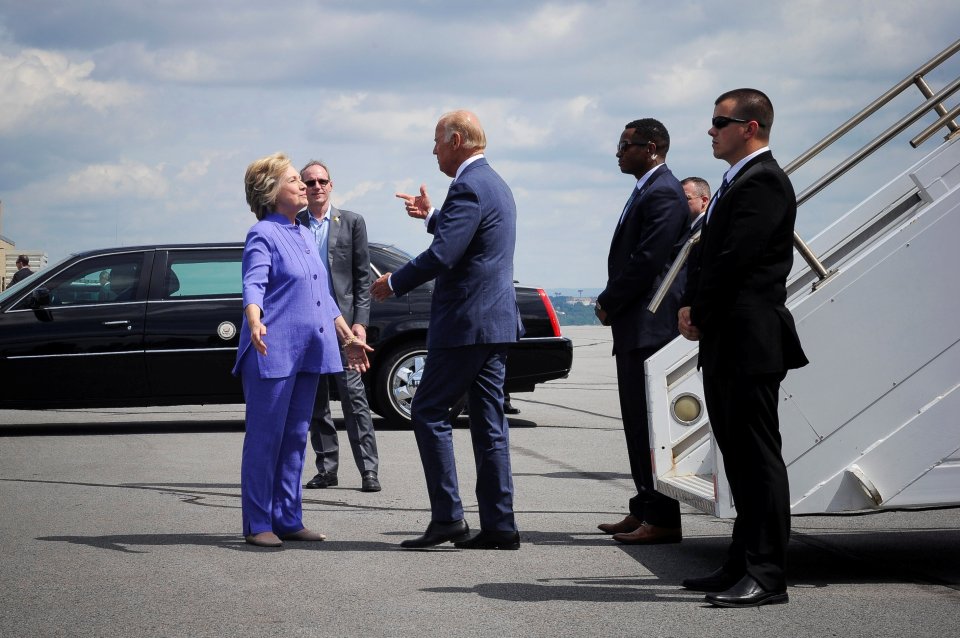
342, 241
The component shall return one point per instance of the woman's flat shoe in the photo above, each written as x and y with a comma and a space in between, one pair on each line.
304, 535
264, 539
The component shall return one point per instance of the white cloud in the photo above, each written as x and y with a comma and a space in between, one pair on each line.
36, 83
112, 184
150, 113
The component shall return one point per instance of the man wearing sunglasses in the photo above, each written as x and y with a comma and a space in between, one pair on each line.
734, 306
342, 238
650, 231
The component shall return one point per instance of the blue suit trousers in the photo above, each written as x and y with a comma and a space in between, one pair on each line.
478, 371
278, 415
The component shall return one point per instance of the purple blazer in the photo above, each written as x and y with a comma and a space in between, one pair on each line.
283, 274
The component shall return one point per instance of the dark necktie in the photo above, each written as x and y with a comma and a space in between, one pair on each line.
626, 209
716, 198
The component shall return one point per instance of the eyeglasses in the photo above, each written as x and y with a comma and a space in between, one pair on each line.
625, 144
721, 121
317, 182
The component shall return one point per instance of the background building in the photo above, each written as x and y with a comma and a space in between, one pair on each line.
9, 253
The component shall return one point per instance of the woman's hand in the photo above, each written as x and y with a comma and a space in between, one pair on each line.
257, 330
357, 350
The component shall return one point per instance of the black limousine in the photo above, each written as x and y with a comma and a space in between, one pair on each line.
159, 325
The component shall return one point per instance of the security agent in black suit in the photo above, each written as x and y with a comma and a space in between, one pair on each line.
653, 226
23, 269
734, 305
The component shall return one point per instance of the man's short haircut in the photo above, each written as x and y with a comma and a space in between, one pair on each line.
700, 186
751, 104
652, 130
23, 259
465, 123
316, 163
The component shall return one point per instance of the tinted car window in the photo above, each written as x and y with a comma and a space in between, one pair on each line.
113, 278
192, 276
387, 258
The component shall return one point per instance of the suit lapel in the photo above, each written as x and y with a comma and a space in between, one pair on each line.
333, 232
721, 210
638, 199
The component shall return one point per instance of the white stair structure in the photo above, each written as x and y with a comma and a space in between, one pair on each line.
874, 421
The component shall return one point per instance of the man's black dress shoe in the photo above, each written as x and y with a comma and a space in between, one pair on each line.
321, 481
720, 580
439, 533
491, 540
370, 482
747, 593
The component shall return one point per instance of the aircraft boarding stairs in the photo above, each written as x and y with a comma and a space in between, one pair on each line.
873, 422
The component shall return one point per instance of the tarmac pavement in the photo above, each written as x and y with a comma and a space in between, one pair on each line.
127, 523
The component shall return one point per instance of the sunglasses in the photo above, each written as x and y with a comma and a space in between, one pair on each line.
625, 144
316, 182
721, 121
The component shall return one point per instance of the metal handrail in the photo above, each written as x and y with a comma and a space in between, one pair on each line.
872, 108
934, 102
877, 142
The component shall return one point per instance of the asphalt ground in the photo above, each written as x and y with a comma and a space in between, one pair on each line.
127, 523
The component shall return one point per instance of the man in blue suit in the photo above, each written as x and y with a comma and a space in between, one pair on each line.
651, 229
473, 318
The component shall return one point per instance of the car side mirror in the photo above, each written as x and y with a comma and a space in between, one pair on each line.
39, 298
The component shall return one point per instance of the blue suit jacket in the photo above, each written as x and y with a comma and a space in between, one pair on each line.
642, 249
284, 275
471, 257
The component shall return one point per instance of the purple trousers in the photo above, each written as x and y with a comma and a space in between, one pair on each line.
277, 421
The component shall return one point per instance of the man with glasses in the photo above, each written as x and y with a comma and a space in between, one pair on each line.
651, 230
697, 191
342, 239
23, 269
734, 306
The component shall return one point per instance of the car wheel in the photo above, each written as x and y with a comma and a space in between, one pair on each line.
396, 384
397, 380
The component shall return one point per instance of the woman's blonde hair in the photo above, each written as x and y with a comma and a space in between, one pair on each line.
262, 182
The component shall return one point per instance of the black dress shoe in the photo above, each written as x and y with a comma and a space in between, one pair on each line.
720, 580
321, 480
370, 482
439, 533
491, 540
747, 593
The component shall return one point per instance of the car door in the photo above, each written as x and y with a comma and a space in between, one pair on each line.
193, 325
75, 338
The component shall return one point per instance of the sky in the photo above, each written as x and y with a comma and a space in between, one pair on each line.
125, 123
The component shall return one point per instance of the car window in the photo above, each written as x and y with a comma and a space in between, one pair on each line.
112, 278
190, 276
387, 258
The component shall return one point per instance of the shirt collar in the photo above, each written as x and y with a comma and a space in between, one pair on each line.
646, 177
736, 168
467, 162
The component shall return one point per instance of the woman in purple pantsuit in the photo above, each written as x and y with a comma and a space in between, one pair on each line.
285, 287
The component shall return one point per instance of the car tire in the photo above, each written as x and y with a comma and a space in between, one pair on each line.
393, 390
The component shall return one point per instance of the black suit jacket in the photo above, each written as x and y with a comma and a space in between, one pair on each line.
642, 249
348, 258
736, 279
